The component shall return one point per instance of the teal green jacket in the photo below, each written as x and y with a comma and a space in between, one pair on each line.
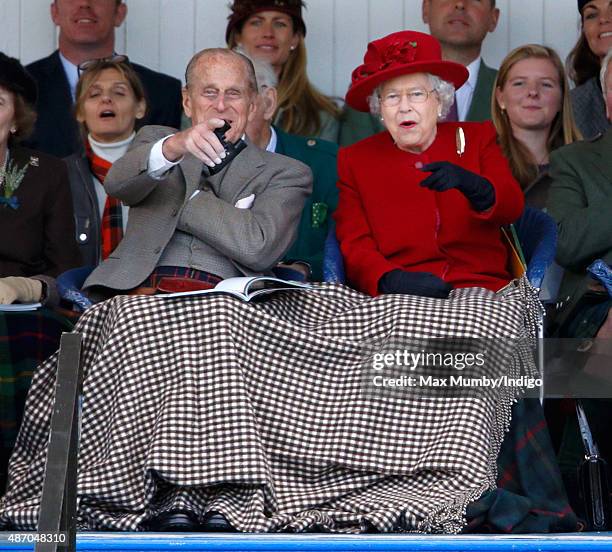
320, 156
480, 108
356, 125
580, 200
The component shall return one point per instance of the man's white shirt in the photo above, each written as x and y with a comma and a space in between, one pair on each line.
465, 94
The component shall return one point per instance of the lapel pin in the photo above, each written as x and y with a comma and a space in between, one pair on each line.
460, 141
34, 161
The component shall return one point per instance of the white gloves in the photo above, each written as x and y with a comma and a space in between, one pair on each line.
24, 290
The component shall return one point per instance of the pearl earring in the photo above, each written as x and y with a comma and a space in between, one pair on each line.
13, 130
292, 48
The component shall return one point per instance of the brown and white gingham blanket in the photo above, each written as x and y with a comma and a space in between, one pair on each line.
258, 411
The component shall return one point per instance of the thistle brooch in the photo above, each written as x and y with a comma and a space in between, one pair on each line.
10, 179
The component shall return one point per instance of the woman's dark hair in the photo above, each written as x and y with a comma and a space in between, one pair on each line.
582, 63
25, 118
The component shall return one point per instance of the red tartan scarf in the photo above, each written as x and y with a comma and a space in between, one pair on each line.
112, 217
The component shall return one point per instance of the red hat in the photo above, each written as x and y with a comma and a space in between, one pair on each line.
243, 9
398, 54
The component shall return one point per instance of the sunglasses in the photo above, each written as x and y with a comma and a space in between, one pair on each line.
91, 63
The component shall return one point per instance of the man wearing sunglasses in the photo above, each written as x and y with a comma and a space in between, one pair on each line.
87, 32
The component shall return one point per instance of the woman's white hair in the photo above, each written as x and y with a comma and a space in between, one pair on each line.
264, 72
444, 89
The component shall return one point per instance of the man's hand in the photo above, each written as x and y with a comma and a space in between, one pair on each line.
16, 288
446, 176
199, 140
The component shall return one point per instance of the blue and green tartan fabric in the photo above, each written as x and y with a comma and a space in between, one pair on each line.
530, 496
26, 339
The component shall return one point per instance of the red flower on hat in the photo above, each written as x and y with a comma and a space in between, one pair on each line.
397, 53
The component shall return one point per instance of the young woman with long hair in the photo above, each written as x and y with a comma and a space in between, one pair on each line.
532, 113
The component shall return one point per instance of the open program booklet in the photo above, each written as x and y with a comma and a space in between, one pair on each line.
245, 287
20, 307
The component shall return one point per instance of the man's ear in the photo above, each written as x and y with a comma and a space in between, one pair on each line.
494, 19
186, 101
425, 11
120, 14
270, 102
252, 110
54, 13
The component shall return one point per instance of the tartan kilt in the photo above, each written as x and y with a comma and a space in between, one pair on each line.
26, 340
258, 411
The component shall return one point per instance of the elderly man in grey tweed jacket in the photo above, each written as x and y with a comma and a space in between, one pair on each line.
239, 221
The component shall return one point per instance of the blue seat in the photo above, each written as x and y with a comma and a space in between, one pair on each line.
333, 264
537, 234
69, 286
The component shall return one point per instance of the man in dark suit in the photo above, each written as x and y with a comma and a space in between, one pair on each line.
461, 27
87, 31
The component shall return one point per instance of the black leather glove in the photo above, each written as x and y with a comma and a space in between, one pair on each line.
445, 176
424, 284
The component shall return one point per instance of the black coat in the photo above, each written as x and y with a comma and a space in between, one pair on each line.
57, 131
86, 208
38, 237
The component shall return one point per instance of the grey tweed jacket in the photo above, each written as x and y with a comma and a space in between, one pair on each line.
254, 239
589, 109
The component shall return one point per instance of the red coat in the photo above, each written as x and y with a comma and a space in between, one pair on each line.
385, 220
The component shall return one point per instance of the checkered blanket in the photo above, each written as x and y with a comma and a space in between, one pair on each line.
258, 411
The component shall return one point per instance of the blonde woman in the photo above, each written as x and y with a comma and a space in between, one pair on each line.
532, 113
110, 103
274, 30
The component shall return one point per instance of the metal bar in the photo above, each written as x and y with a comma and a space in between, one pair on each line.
58, 501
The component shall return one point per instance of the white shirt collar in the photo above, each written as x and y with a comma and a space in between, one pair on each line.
273, 140
473, 69
72, 74
465, 94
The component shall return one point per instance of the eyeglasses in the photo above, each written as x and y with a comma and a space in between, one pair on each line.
91, 63
415, 96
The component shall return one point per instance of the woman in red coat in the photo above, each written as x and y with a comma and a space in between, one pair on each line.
421, 205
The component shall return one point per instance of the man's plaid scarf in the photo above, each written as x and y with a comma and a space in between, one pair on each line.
112, 217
